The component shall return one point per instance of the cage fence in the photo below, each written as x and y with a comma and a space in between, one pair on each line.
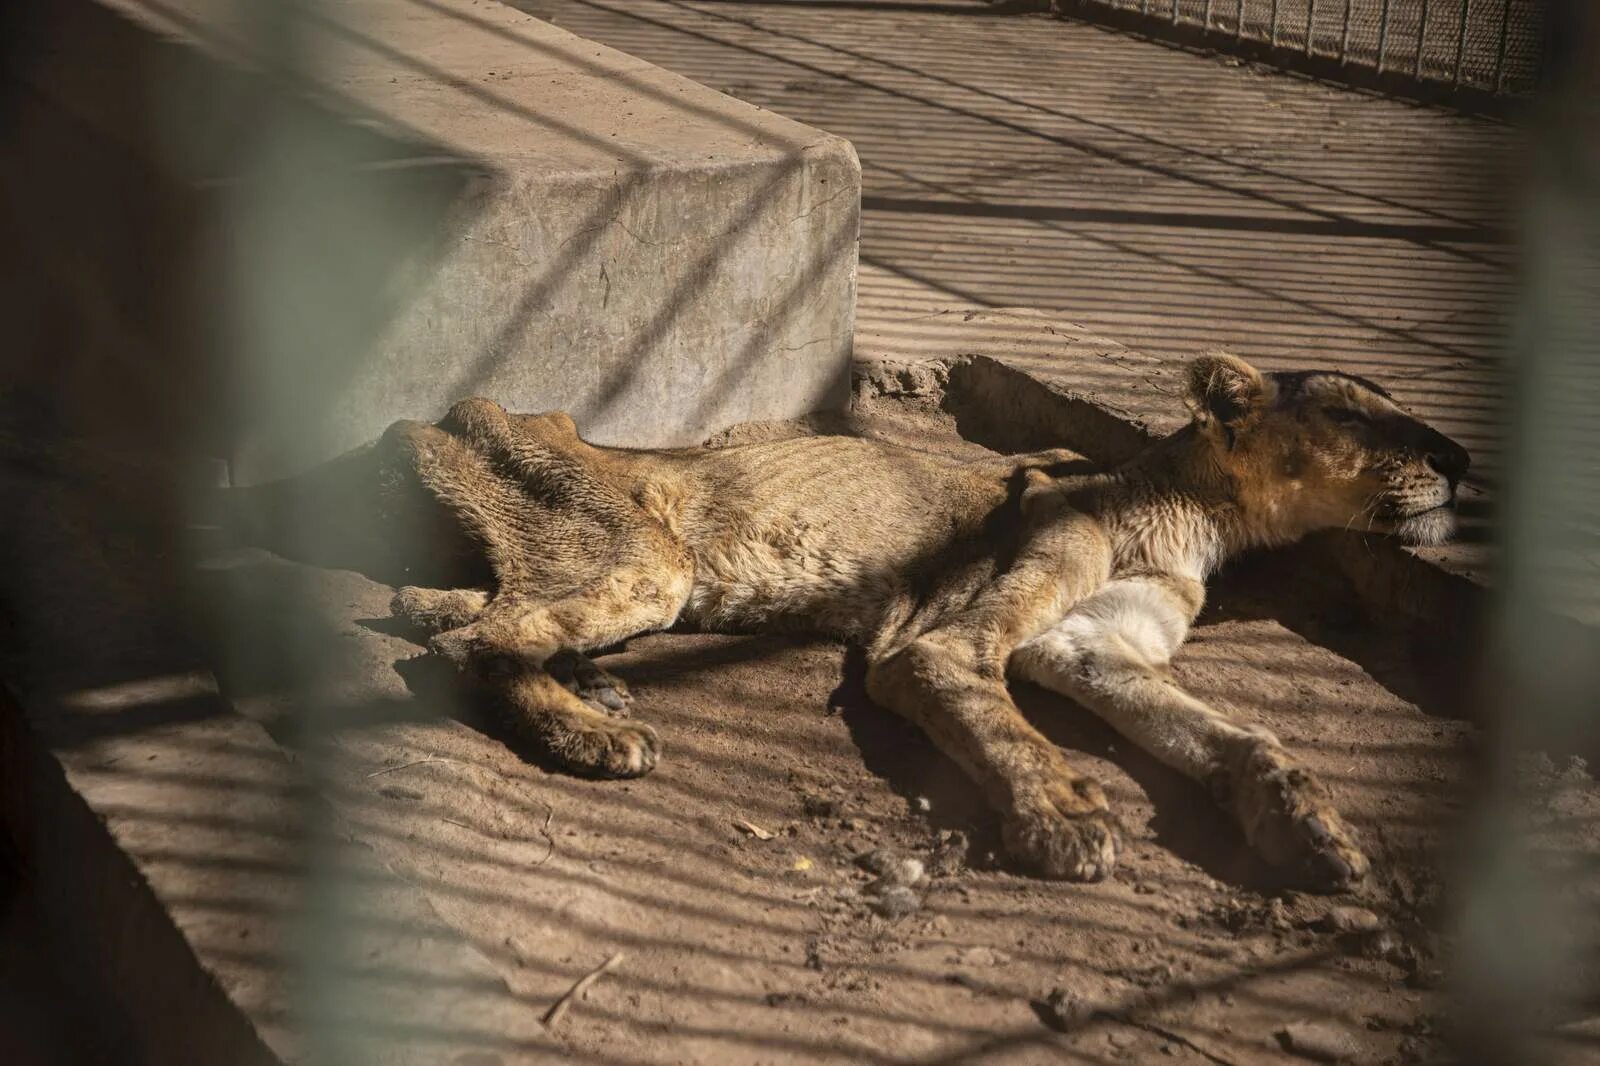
1495, 46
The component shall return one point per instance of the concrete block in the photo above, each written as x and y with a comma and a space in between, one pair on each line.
415, 201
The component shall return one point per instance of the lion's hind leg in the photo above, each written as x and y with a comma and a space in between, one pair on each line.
530, 654
630, 601
591, 683
434, 611
540, 709
577, 566
549, 694
438, 610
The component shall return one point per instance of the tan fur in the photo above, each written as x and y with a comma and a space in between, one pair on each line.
948, 574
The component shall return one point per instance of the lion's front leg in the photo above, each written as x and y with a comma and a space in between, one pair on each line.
1056, 820
1110, 655
1286, 812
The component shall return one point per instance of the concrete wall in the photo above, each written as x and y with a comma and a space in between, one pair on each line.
270, 254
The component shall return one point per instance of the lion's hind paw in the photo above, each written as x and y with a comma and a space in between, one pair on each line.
605, 747
599, 688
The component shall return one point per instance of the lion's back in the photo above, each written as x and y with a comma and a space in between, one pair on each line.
825, 528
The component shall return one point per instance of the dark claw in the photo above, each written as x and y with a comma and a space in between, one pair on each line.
1327, 869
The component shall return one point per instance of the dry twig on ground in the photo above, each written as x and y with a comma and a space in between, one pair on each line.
559, 1008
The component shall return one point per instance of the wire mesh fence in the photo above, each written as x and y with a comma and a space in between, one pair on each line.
1490, 45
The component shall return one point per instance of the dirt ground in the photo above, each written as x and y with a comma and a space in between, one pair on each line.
730, 883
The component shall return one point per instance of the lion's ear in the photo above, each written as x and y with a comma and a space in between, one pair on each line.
1224, 390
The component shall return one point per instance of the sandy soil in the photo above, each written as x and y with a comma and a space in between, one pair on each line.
729, 880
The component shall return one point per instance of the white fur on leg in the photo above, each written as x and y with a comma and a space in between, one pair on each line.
1109, 654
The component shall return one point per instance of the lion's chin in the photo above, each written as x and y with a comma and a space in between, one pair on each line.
1434, 526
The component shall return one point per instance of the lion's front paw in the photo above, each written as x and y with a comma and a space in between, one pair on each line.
604, 747
1064, 830
600, 689
1289, 819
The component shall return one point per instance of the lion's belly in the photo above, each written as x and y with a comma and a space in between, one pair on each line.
821, 533
790, 575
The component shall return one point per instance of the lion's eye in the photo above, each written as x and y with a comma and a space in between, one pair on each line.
1342, 414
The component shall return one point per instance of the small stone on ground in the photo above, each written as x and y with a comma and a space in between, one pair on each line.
1318, 1042
896, 902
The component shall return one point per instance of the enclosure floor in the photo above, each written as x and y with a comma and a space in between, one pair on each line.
1170, 200
727, 879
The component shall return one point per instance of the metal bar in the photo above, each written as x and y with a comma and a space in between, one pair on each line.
1383, 32
1272, 34
1311, 25
1422, 38
1144, 7
1206, 15
1238, 20
1344, 37
1461, 42
1174, 12
1500, 60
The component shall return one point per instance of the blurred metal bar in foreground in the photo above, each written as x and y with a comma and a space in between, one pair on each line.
1522, 969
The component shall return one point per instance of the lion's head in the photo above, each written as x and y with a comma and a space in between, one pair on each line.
1315, 450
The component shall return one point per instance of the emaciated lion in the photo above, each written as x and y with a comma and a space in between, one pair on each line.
950, 575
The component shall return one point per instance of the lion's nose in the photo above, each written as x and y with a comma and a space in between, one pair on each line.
1448, 458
